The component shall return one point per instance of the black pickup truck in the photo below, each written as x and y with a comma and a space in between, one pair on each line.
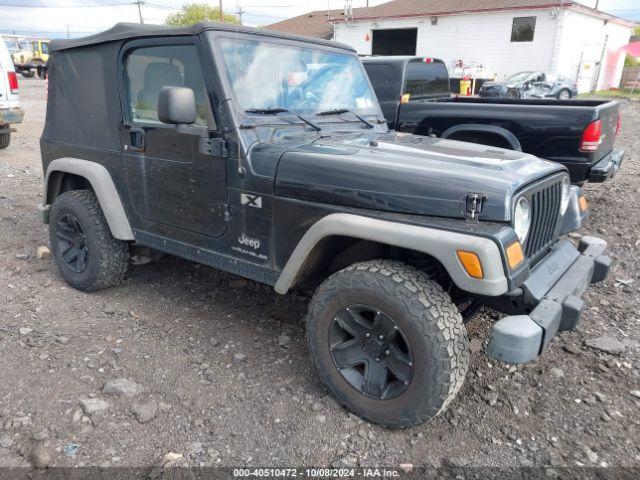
415, 97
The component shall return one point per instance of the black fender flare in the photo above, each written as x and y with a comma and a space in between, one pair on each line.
508, 136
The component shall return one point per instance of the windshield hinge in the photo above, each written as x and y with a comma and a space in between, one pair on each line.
216, 147
474, 204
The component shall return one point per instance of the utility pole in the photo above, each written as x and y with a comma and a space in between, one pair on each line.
68, 35
239, 13
139, 3
221, 18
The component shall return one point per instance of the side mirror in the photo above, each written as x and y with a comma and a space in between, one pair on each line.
177, 106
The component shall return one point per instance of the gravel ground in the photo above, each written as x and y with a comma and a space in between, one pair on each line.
218, 370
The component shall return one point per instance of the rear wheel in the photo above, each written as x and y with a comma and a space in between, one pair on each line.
564, 94
88, 256
5, 139
388, 342
28, 73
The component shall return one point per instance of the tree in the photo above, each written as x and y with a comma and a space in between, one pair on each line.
198, 12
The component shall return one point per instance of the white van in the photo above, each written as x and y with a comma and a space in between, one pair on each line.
10, 111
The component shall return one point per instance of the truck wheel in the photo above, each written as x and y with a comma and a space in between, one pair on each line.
28, 73
87, 255
5, 139
388, 342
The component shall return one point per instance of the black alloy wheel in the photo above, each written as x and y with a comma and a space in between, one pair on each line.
370, 352
72, 243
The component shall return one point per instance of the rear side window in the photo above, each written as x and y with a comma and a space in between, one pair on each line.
148, 69
424, 80
383, 81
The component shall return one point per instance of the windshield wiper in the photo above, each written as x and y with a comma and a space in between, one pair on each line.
308, 122
338, 111
267, 111
275, 110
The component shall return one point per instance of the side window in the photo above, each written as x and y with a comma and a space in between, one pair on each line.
382, 80
148, 69
523, 29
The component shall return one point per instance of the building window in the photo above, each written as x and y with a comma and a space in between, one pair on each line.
523, 29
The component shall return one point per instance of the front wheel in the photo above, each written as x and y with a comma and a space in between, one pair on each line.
512, 94
388, 342
88, 256
564, 94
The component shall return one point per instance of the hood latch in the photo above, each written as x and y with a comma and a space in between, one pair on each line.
474, 203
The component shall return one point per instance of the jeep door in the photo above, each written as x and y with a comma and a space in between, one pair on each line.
175, 188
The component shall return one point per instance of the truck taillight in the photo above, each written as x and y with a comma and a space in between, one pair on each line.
591, 137
427, 60
13, 82
619, 124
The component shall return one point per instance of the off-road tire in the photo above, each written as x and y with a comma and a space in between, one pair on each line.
5, 139
432, 325
108, 258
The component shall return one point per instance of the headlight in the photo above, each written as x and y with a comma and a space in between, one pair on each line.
522, 219
566, 195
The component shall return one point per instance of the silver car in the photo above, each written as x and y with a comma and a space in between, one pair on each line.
531, 85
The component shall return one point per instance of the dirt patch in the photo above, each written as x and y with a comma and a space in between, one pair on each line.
223, 375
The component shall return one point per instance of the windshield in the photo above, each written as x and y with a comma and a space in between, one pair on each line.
267, 76
519, 77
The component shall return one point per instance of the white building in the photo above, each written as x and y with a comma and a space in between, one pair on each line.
507, 36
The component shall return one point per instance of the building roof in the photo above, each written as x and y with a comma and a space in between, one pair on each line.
312, 24
424, 8
319, 23
127, 31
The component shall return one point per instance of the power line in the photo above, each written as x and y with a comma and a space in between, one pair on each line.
65, 6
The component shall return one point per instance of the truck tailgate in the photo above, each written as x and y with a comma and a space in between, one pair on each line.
608, 113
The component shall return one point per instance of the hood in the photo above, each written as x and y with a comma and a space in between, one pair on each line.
406, 173
501, 84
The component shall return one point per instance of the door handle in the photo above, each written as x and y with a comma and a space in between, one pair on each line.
136, 139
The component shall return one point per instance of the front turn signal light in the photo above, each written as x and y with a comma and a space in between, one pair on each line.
515, 255
471, 263
584, 205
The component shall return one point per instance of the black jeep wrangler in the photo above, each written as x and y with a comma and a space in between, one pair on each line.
267, 156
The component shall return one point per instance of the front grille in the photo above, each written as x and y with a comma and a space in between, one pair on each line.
545, 210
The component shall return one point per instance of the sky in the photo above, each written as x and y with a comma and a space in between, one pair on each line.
59, 18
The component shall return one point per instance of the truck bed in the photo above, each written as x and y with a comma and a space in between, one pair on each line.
549, 129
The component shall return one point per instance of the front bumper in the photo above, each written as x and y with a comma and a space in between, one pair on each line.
607, 167
555, 287
11, 115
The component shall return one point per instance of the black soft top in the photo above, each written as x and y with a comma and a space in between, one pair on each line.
125, 31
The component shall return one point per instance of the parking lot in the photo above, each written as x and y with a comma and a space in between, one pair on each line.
222, 374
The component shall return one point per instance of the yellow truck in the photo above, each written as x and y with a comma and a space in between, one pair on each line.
30, 56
